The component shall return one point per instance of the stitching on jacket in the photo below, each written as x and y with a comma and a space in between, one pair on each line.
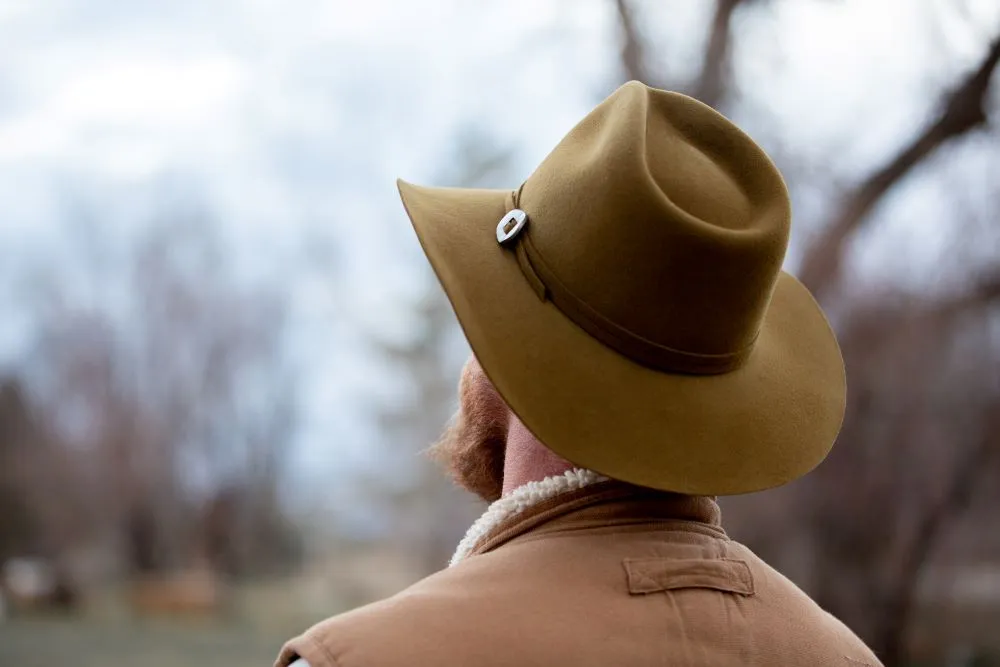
654, 575
666, 525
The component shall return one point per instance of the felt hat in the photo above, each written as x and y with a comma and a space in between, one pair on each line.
628, 301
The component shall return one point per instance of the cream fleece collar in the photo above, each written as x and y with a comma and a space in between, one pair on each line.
520, 499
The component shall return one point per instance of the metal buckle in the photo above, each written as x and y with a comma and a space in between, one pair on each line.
511, 225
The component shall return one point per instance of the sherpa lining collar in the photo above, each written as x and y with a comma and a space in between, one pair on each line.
520, 499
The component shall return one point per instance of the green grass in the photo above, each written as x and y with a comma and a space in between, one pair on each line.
249, 632
45, 642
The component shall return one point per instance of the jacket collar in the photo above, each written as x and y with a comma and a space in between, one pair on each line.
582, 499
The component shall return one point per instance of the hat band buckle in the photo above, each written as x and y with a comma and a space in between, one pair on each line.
513, 232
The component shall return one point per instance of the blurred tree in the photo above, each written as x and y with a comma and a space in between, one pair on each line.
18, 434
921, 441
963, 109
165, 377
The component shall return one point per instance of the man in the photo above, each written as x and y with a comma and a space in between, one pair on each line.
637, 352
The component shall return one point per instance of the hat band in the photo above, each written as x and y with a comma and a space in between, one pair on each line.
641, 350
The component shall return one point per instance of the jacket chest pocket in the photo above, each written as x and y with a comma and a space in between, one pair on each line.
654, 575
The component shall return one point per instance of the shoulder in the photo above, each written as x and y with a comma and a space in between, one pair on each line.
785, 606
436, 618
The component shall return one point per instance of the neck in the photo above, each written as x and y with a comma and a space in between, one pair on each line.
527, 459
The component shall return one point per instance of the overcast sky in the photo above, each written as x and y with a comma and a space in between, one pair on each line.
289, 121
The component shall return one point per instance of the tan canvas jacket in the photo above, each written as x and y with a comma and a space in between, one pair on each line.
606, 576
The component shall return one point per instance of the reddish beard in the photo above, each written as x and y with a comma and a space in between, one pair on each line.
472, 448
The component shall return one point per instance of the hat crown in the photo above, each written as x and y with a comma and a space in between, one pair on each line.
665, 219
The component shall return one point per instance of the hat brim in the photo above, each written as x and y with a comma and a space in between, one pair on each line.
768, 422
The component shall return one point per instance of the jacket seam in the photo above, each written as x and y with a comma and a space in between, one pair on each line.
707, 531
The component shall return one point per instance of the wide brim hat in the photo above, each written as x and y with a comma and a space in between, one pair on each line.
628, 303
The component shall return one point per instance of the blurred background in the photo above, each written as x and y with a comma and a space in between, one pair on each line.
222, 352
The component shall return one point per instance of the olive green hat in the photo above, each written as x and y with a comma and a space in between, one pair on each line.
628, 302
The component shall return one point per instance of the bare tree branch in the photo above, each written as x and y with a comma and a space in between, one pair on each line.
872, 333
983, 292
712, 81
933, 524
633, 54
964, 110
711, 84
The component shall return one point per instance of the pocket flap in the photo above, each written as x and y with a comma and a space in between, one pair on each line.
653, 575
